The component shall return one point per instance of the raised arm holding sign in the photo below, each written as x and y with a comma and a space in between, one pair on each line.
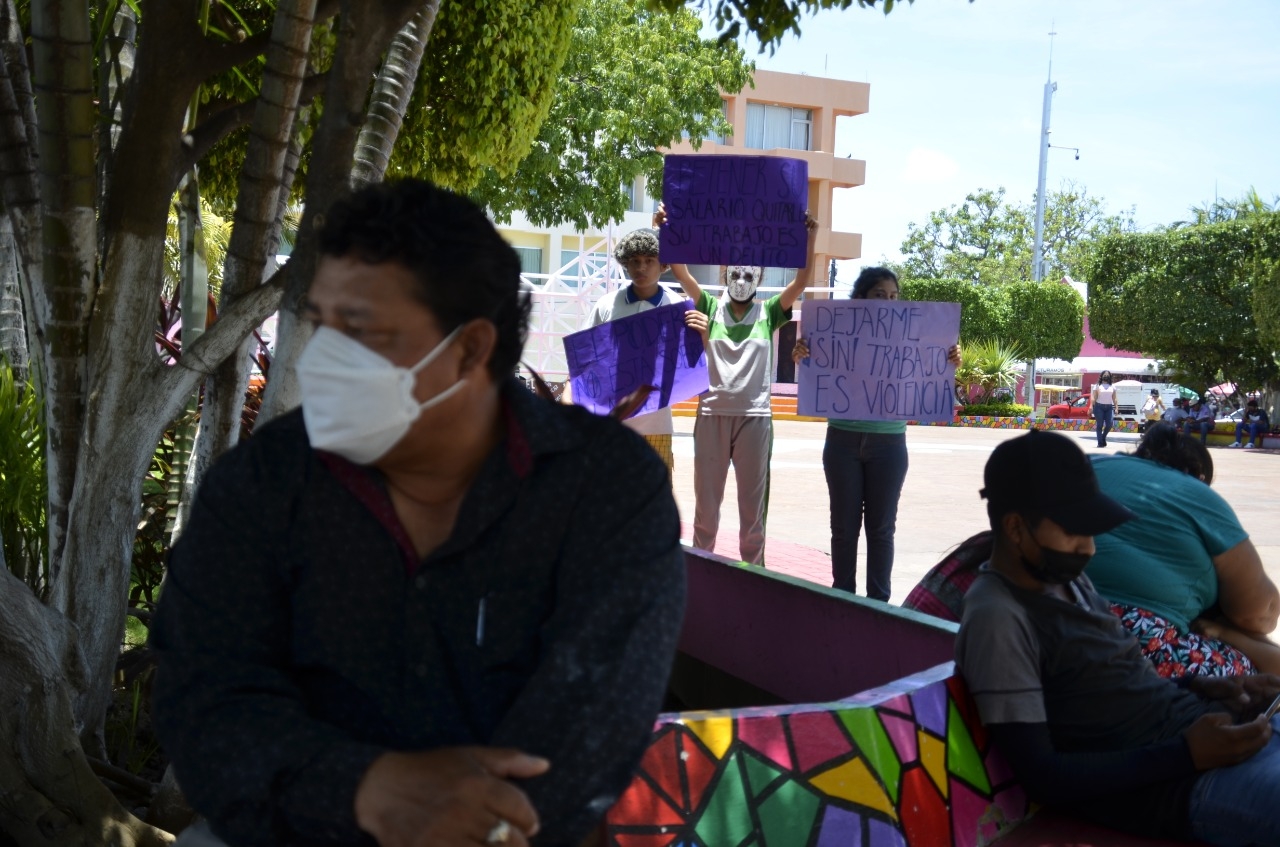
735, 422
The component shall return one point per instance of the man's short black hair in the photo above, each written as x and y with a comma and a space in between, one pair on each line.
463, 267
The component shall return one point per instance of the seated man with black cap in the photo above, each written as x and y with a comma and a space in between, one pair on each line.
1083, 719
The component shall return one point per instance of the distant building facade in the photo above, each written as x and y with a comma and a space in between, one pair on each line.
788, 115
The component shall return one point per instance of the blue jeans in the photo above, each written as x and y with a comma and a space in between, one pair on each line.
1104, 419
865, 472
1255, 429
1237, 806
1191, 426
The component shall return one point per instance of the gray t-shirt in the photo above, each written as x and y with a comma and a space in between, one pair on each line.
1034, 658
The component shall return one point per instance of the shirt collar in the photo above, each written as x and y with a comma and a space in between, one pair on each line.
535, 427
655, 300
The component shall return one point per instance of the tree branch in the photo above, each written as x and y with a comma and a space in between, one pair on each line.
226, 121
216, 57
224, 337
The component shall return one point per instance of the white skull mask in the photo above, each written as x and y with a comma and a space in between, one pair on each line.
741, 281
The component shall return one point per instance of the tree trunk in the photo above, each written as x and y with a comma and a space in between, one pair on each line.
13, 328
62, 51
391, 92
48, 795
18, 183
119, 49
256, 209
364, 30
194, 304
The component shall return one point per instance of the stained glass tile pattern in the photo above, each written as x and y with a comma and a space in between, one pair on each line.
913, 770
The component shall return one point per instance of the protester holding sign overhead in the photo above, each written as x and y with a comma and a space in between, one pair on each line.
865, 462
735, 420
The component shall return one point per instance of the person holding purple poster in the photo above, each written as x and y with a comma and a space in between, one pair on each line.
735, 419
637, 252
865, 463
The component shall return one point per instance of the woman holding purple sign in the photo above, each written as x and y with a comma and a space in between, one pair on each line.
865, 463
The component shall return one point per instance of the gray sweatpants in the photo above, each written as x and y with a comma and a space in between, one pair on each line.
746, 441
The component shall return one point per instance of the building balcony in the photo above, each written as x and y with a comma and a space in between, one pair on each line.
843, 173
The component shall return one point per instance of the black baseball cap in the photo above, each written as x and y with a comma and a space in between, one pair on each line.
1045, 473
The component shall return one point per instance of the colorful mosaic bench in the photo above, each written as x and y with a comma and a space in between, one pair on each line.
900, 766
905, 763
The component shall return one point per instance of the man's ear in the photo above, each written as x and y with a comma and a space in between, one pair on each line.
477, 342
1013, 526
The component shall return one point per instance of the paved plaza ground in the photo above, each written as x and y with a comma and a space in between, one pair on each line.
940, 504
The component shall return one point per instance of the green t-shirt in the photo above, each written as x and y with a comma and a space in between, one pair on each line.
1162, 560
878, 427
740, 356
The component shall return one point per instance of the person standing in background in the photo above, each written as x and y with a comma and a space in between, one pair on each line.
735, 417
1103, 400
865, 463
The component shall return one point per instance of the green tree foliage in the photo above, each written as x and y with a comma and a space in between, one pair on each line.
1188, 296
1266, 303
22, 480
1044, 320
988, 239
1222, 209
634, 82
1047, 319
768, 20
484, 88
984, 309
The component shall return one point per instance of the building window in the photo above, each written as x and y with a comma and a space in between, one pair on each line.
718, 139
635, 195
770, 127
530, 259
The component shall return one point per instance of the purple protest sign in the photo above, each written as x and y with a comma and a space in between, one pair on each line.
878, 360
735, 210
609, 361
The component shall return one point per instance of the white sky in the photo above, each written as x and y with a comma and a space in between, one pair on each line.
1169, 101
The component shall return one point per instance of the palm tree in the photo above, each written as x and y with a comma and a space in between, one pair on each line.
1221, 209
988, 365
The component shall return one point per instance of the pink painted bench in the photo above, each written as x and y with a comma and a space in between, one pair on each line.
770, 749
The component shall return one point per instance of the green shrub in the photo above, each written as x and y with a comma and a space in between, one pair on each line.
996, 410
23, 484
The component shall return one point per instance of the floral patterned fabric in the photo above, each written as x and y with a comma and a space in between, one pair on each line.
1176, 653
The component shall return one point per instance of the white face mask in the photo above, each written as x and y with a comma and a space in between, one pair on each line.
742, 281
356, 403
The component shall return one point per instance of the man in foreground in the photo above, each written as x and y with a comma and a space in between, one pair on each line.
429, 608
1083, 719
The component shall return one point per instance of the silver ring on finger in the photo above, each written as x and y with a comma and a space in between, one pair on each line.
499, 834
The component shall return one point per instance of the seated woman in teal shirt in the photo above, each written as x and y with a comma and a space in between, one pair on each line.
1184, 577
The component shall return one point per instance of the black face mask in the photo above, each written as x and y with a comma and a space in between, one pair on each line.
1056, 567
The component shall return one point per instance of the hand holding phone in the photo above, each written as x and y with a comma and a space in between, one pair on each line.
1273, 708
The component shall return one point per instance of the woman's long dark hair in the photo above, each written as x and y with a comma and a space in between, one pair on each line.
869, 279
1163, 443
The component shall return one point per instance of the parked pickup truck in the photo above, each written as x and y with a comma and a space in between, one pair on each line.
1077, 409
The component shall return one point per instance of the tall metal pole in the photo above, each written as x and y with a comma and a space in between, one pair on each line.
1037, 267
1037, 261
